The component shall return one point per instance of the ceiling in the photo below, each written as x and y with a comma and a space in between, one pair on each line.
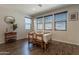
31, 9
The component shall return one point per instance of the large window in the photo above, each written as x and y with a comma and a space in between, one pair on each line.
48, 22
27, 23
60, 21
40, 23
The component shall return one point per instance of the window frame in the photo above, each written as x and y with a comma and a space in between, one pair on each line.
60, 22
28, 23
38, 23
48, 22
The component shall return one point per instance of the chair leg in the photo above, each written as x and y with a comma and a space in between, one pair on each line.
45, 46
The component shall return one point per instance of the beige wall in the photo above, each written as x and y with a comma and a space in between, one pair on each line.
72, 33
70, 36
19, 21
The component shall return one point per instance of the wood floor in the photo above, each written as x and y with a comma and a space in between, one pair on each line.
21, 47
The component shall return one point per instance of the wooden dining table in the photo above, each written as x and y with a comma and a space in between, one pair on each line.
41, 38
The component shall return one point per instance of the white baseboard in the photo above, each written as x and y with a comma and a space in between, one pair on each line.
66, 42
2, 42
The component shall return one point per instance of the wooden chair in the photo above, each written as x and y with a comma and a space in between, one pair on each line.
39, 40
34, 39
30, 37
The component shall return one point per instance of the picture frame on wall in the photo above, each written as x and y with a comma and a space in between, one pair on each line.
73, 16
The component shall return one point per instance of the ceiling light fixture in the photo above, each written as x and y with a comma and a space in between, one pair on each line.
40, 5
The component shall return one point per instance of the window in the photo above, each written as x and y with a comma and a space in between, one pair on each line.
27, 23
39, 23
60, 21
48, 22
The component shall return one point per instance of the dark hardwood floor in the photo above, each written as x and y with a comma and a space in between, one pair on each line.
21, 47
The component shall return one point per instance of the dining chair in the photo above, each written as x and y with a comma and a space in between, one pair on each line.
39, 40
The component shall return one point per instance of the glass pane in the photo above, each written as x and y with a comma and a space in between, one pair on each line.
40, 26
48, 18
27, 20
27, 23
60, 25
27, 26
61, 17
39, 20
48, 26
